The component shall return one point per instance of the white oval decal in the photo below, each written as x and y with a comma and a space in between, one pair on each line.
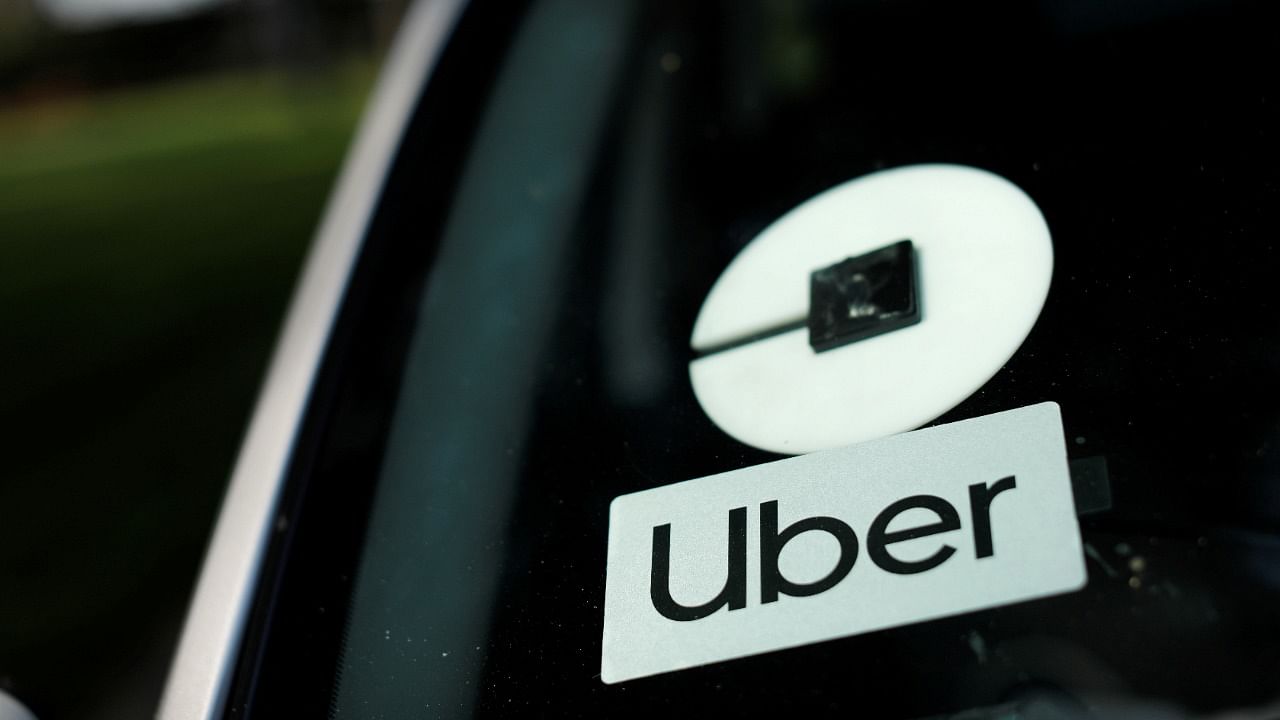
979, 260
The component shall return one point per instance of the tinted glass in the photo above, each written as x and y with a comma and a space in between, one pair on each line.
515, 352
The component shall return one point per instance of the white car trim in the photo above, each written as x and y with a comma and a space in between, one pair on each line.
200, 676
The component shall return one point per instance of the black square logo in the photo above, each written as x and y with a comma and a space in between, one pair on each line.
863, 296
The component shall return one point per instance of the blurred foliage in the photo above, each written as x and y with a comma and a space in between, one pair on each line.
19, 27
148, 242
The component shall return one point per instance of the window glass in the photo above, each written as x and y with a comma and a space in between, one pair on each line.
628, 151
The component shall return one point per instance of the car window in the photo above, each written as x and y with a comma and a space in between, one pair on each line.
523, 354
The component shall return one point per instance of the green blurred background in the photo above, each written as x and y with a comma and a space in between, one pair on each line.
160, 178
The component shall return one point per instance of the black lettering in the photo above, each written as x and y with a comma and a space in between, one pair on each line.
771, 543
734, 593
878, 539
980, 497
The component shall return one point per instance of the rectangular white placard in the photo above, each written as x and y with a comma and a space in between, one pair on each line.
913, 527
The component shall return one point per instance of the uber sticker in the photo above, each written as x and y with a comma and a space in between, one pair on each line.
909, 528
871, 308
